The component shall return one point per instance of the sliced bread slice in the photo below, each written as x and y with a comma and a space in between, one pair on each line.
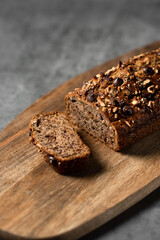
57, 139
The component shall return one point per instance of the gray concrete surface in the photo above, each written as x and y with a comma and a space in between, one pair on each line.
45, 42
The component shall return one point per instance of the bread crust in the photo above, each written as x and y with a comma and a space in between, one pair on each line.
127, 96
60, 165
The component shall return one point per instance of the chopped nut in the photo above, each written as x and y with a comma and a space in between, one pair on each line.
147, 60
151, 89
156, 71
107, 100
101, 103
139, 56
115, 109
134, 101
151, 104
99, 75
107, 72
104, 109
127, 123
145, 82
139, 63
109, 110
115, 115
94, 82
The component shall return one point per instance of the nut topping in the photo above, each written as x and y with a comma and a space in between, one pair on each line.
151, 89
146, 82
129, 89
100, 75
101, 103
147, 60
104, 109
134, 102
129, 125
115, 109
136, 92
116, 115
157, 71
151, 104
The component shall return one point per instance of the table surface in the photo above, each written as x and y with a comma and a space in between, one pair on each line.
44, 43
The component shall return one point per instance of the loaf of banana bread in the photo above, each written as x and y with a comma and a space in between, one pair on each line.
56, 138
121, 105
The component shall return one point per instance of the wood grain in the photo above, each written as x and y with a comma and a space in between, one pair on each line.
38, 203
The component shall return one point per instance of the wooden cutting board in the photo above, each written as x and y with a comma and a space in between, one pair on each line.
38, 203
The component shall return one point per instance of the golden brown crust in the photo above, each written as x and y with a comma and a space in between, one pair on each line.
61, 165
128, 96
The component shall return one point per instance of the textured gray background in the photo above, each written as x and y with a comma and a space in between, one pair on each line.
44, 43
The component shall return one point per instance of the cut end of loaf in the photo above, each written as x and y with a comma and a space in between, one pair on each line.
61, 145
91, 120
